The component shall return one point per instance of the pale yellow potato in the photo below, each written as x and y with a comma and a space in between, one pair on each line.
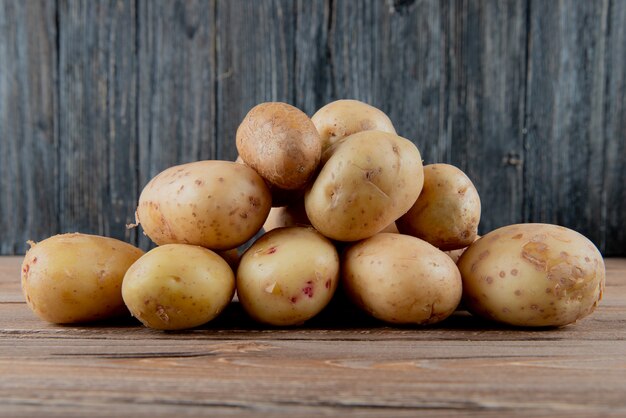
447, 212
73, 278
370, 180
288, 276
343, 118
532, 275
401, 279
178, 286
281, 143
292, 215
214, 204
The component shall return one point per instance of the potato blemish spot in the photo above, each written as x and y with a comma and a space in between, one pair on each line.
489, 279
271, 250
502, 274
514, 272
327, 284
518, 292
518, 236
308, 289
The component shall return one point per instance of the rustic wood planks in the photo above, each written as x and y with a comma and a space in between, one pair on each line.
528, 97
334, 366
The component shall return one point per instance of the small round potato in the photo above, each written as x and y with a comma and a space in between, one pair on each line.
532, 275
74, 278
447, 212
178, 286
343, 118
288, 276
281, 143
369, 181
214, 204
292, 215
401, 279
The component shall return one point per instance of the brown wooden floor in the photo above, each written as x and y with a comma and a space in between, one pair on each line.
340, 364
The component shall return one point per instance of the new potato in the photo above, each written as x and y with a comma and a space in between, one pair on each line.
178, 286
447, 212
343, 118
214, 204
532, 275
281, 143
73, 278
370, 180
401, 279
288, 276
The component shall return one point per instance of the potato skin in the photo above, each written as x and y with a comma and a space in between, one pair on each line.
532, 275
343, 118
370, 180
401, 279
281, 143
178, 286
214, 204
288, 276
447, 212
72, 278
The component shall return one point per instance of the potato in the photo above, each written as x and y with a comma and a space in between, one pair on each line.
178, 286
532, 275
281, 143
447, 212
214, 204
370, 180
292, 215
73, 278
288, 276
401, 279
343, 118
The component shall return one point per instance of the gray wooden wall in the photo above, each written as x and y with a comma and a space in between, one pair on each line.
96, 97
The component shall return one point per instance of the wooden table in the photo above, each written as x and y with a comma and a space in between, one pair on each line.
338, 365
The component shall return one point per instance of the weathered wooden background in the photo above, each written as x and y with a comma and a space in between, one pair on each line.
96, 97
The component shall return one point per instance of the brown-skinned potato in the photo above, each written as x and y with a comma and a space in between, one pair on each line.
281, 143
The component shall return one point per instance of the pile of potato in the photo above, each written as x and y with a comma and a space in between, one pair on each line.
346, 203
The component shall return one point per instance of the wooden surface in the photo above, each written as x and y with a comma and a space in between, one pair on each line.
335, 366
527, 96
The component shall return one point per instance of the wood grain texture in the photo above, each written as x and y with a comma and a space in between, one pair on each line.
333, 366
567, 89
612, 222
486, 65
28, 124
177, 71
255, 50
528, 97
97, 125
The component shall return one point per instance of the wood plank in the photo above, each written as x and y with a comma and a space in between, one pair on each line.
614, 190
463, 367
485, 54
176, 69
28, 123
255, 62
566, 98
97, 123
459, 93
312, 55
